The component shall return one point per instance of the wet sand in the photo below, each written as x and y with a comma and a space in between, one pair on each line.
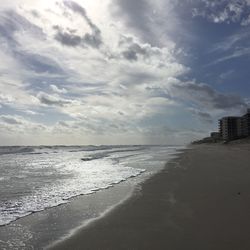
199, 201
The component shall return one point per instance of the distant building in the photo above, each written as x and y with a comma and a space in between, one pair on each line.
215, 135
229, 127
234, 127
246, 123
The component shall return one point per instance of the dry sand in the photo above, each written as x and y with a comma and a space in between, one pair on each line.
200, 201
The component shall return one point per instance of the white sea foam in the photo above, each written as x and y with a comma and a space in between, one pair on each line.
34, 179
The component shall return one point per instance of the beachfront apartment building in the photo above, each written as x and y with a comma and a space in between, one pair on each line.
234, 127
246, 123
230, 128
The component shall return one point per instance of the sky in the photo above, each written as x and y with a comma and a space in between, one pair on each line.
121, 71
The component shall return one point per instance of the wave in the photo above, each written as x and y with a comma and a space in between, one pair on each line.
72, 149
15, 150
12, 211
71, 174
112, 151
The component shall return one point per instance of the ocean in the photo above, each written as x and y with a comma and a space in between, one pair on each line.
37, 179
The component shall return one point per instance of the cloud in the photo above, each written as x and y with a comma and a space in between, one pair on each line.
13, 120
234, 11
69, 38
55, 89
246, 21
132, 50
203, 116
52, 100
80, 10
233, 41
11, 22
152, 21
14, 95
16, 130
31, 112
136, 15
206, 96
5, 99
226, 75
38, 63
239, 52
231, 47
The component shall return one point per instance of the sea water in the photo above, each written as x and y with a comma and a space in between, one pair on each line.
33, 179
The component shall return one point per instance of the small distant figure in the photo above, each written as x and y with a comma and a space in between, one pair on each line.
238, 193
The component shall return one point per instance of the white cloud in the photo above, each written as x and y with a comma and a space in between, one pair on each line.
13, 94
153, 22
240, 52
30, 112
58, 90
224, 11
231, 41
246, 21
15, 124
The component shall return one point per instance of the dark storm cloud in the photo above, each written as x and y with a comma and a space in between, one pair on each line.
69, 38
207, 96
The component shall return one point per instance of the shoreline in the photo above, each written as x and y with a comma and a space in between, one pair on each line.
133, 195
88, 222
200, 200
134, 192
45, 228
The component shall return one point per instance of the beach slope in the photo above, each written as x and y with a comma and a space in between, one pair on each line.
199, 201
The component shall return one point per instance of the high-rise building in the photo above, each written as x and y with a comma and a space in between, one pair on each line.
230, 127
246, 123
234, 127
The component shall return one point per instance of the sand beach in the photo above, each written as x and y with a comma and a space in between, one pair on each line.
201, 200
